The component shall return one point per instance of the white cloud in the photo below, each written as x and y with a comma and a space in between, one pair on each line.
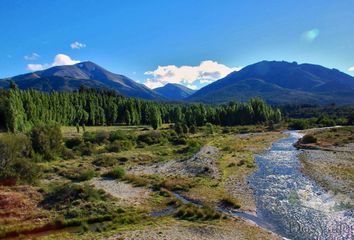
351, 69
60, 59
205, 72
33, 56
77, 45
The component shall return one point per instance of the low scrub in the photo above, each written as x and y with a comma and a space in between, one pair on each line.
78, 174
73, 142
152, 137
120, 145
99, 137
117, 173
308, 139
137, 181
228, 201
105, 161
191, 212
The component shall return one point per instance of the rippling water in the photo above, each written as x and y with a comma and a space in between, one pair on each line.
294, 205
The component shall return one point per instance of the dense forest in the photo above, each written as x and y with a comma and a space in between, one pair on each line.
21, 109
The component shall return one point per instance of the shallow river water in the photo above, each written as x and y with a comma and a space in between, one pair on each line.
290, 203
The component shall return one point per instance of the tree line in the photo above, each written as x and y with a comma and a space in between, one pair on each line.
21, 109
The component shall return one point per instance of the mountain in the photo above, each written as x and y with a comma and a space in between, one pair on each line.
71, 77
173, 91
280, 82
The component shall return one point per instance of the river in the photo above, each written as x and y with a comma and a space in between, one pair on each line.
290, 203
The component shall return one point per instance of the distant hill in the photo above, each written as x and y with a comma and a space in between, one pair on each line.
71, 77
173, 91
281, 83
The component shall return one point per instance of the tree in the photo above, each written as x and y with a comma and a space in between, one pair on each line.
13, 85
155, 117
47, 140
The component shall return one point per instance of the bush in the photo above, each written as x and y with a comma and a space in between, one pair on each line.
117, 172
120, 145
299, 124
96, 137
117, 135
15, 162
193, 129
136, 180
67, 154
229, 201
21, 170
105, 161
73, 142
226, 130
153, 137
178, 140
77, 174
308, 139
47, 140
193, 147
178, 128
209, 128
87, 149
65, 195
191, 212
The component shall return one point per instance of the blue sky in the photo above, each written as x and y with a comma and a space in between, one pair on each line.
209, 38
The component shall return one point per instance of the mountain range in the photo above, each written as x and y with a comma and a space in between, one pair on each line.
89, 74
174, 91
277, 82
280, 82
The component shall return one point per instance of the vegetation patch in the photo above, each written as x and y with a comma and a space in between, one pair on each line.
191, 212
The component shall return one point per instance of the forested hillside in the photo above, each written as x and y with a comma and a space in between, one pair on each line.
21, 109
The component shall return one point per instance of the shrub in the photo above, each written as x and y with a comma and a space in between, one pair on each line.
226, 130
65, 195
77, 174
229, 201
193, 129
105, 161
117, 135
178, 128
152, 137
308, 139
191, 212
178, 140
209, 128
67, 154
136, 180
21, 170
117, 172
176, 184
12, 147
86, 175
87, 149
120, 145
99, 137
47, 140
15, 162
193, 147
73, 142
299, 124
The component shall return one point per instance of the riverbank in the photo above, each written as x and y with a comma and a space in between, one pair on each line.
330, 162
